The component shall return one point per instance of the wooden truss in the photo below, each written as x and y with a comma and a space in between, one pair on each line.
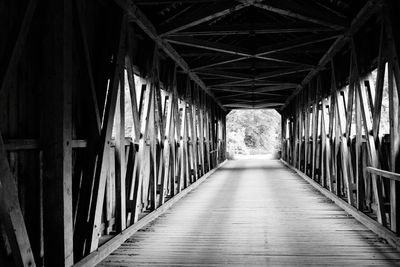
333, 134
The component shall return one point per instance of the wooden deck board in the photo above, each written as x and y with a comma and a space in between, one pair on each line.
254, 212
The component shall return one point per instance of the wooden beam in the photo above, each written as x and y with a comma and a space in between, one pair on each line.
95, 106
255, 106
257, 89
297, 11
281, 72
245, 29
249, 79
225, 74
213, 46
369, 9
238, 51
247, 65
120, 163
19, 45
101, 169
201, 15
246, 83
21, 144
219, 63
387, 174
299, 42
11, 214
144, 23
56, 136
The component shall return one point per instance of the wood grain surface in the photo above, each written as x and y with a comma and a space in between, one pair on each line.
254, 212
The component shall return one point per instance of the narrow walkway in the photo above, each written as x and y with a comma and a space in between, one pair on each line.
254, 212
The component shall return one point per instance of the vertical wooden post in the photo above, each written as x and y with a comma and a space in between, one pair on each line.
346, 163
56, 136
394, 83
326, 139
120, 167
359, 175
394, 148
315, 110
201, 132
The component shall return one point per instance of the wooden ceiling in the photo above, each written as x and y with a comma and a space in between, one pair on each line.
247, 53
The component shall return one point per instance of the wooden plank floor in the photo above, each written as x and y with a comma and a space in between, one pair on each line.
254, 212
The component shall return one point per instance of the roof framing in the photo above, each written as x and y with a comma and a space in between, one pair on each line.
370, 8
144, 23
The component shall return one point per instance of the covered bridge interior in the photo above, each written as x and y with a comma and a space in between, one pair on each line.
112, 110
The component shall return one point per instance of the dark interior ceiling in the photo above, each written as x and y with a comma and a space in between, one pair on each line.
250, 54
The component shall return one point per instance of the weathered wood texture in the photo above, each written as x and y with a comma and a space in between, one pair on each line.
254, 213
100, 128
108, 109
351, 122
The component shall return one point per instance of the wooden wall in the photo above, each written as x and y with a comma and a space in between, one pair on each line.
68, 183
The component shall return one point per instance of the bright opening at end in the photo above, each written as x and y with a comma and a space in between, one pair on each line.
253, 133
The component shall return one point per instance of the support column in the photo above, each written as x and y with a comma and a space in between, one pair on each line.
56, 135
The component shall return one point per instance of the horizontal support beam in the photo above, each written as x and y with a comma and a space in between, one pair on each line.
21, 144
249, 29
246, 93
219, 63
212, 46
240, 65
225, 74
32, 144
234, 50
298, 11
201, 15
245, 84
282, 72
299, 42
250, 90
257, 106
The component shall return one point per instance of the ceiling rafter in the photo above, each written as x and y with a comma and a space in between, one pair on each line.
246, 65
271, 74
297, 11
252, 84
369, 9
238, 51
219, 63
245, 93
143, 22
258, 28
282, 72
225, 74
299, 42
201, 15
257, 89
257, 106
213, 46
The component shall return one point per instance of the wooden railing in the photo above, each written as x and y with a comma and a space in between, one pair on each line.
387, 174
